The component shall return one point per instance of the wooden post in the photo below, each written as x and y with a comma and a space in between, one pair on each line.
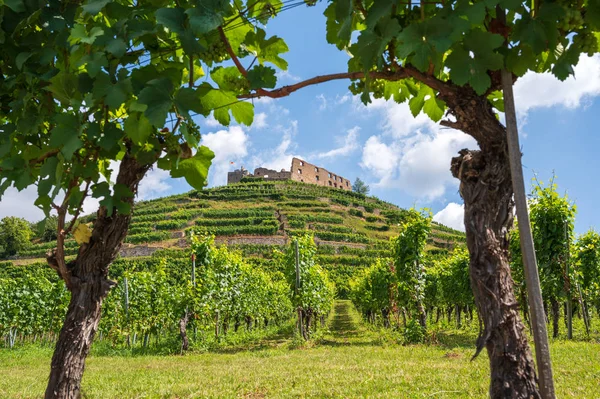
536, 305
568, 286
297, 288
126, 288
194, 270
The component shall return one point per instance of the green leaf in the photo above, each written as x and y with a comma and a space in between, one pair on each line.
21, 58
267, 50
187, 136
208, 16
65, 135
80, 35
117, 47
243, 112
157, 96
195, 169
187, 99
261, 76
93, 7
15, 5
138, 128
64, 87
171, 18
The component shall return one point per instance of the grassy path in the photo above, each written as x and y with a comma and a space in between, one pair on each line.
350, 361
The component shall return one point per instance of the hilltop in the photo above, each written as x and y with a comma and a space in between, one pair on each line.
256, 216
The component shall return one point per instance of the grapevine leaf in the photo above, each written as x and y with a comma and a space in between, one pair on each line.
64, 87
138, 128
116, 47
267, 50
171, 18
65, 135
261, 76
80, 35
157, 96
195, 169
208, 16
93, 7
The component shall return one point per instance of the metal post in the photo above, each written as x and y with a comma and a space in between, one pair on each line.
540, 334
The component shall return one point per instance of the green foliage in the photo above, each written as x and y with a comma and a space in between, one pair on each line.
587, 261
15, 234
431, 47
315, 294
85, 84
375, 288
408, 252
448, 281
552, 220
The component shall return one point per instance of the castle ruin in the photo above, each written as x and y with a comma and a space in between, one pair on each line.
300, 171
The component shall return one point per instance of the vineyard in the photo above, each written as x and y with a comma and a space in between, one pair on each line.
213, 279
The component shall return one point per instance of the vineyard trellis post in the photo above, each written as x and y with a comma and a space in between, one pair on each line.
193, 270
536, 305
568, 284
126, 295
297, 288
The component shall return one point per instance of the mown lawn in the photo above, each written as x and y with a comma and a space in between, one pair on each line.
350, 361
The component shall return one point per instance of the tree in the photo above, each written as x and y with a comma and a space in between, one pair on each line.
360, 187
552, 220
15, 234
85, 86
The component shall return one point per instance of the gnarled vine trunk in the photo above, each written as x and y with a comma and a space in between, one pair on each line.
486, 188
89, 285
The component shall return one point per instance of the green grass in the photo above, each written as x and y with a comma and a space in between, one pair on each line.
348, 361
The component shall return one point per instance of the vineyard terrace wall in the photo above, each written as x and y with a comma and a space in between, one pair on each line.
300, 171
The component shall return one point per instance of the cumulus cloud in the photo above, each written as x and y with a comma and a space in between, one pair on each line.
154, 184
452, 216
281, 156
539, 90
229, 145
348, 144
412, 154
260, 121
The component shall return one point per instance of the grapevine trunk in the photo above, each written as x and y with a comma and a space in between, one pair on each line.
89, 285
486, 188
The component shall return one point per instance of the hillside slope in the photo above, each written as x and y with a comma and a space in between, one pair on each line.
258, 216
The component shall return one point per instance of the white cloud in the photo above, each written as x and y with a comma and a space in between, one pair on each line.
286, 76
381, 159
412, 154
154, 184
452, 216
348, 144
20, 204
322, 102
229, 145
538, 90
211, 121
260, 121
281, 156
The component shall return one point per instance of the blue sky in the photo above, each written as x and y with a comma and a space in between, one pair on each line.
405, 160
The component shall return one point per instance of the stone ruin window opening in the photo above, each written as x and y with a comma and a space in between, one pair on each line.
317, 178
329, 175
330, 182
299, 171
316, 169
301, 163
